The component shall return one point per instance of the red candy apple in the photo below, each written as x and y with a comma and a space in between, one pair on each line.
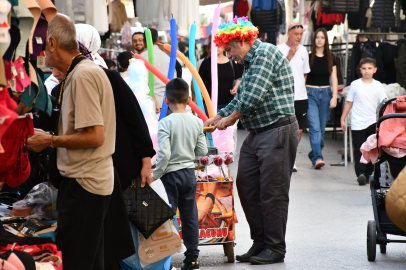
228, 159
218, 161
204, 161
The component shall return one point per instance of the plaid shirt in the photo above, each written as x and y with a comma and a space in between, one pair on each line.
265, 93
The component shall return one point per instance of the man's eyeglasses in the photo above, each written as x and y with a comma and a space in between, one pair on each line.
296, 27
138, 40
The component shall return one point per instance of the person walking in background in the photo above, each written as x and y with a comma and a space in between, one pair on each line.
123, 60
364, 97
229, 73
321, 95
298, 57
110, 64
138, 42
162, 64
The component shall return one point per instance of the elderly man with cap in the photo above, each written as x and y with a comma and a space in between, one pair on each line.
85, 144
265, 105
298, 57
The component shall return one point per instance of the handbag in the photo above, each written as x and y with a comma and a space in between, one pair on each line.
147, 211
14, 162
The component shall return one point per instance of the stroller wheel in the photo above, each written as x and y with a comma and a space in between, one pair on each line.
371, 240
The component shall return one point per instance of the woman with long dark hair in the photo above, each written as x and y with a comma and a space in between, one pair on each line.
321, 86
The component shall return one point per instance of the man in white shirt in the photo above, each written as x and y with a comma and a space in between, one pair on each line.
298, 57
161, 62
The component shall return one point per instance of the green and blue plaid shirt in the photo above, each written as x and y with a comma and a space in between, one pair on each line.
266, 91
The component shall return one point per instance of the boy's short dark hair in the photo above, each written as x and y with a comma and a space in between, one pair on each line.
367, 60
154, 35
137, 33
110, 63
177, 91
124, 59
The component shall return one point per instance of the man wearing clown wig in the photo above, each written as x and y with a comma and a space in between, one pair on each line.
265, 105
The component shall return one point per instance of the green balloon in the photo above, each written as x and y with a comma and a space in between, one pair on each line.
150, 48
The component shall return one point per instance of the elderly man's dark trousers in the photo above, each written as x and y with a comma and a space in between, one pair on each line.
263, 180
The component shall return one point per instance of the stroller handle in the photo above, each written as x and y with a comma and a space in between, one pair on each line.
389, 116
383, 105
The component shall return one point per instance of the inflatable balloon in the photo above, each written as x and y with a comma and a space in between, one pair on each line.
214, 74
192, 57
150, 48
165, 80
199, 81
172, 63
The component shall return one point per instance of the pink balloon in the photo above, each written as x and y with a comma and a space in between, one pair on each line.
214, 75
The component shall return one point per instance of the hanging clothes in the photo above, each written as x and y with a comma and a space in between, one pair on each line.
242, 8
267, 20
324, 19
185, 12
126, 35
295, 9
345, 6
358, 20
382, 13
367, 49
257, 5
282, 26
151, 13
401, 62
117, 16
389, 52
235, 7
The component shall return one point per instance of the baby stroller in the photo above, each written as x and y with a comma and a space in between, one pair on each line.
379, 228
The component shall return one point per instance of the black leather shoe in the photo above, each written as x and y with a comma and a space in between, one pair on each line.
267, 256
253, 251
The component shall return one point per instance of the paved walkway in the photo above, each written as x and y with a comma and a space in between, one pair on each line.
327, 223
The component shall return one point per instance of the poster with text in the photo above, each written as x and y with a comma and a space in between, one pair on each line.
216, 221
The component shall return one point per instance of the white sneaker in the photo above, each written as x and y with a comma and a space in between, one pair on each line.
294, 167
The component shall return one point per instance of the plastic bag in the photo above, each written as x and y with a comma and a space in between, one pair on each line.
134, 262
226, 141
42, 200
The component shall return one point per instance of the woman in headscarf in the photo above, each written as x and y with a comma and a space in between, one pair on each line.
133, 152
90, 38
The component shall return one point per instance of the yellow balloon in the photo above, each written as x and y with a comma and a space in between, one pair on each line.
196, 75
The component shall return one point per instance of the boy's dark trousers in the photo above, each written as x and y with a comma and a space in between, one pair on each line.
358, 138
181, 189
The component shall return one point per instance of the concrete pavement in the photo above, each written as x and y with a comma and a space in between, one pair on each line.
327, 222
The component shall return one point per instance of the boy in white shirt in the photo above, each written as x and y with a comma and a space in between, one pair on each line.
364, 97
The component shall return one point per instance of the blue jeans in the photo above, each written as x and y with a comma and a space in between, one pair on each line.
318, 114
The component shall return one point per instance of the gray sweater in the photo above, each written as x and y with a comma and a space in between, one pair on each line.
180, 140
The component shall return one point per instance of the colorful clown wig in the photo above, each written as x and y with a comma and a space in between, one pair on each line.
239, 29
